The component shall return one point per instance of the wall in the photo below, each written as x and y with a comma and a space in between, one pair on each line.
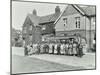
71, 23
84, 29
90, 31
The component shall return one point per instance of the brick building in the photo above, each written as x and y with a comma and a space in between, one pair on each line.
74, 20
36, 28
77, 20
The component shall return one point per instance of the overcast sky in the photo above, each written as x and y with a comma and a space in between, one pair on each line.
21, 9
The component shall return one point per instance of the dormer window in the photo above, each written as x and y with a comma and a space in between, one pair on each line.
77, 23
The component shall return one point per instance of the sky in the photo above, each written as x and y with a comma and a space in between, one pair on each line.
21, 9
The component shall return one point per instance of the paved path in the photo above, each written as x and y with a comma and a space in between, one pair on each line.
22, 64
87, 61
49, 62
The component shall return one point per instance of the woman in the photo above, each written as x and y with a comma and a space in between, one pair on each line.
70, 49
62, 48
29, 48
55, 47
80, 50
74, 48
38, 47
35, 50
66, 48
42, 48
25, 50
58, 49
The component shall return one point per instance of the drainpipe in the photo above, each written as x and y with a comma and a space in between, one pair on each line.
89, 32
85, 28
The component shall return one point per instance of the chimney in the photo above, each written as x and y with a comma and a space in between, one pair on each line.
34, 12
57, 10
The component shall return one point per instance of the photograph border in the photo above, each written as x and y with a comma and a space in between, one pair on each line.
48, 71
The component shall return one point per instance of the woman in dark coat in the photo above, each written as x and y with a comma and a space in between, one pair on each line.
38, 47
80, 50
58, 49
53, 49
25, 50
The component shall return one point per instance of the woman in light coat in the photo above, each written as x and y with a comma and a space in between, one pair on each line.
66, 48
74, 49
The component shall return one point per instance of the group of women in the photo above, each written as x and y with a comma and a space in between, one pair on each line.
71, 48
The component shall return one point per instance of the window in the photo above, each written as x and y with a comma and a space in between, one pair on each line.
25, 29
77, 23
44, 27
65, 21
30, 27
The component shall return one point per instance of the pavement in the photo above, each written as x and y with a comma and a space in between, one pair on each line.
22, 64
87, 61
49, 62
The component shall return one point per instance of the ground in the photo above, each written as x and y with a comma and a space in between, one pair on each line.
49, 62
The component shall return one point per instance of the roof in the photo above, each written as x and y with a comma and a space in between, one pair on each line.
43, 19
86, 10
32, 19
49, 18
89, 11
46, 18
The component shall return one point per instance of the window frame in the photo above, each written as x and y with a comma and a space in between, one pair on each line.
65, 21
77, 22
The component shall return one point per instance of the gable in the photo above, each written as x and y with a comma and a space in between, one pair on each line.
70, 10
34, 19
27, 21
31, 19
